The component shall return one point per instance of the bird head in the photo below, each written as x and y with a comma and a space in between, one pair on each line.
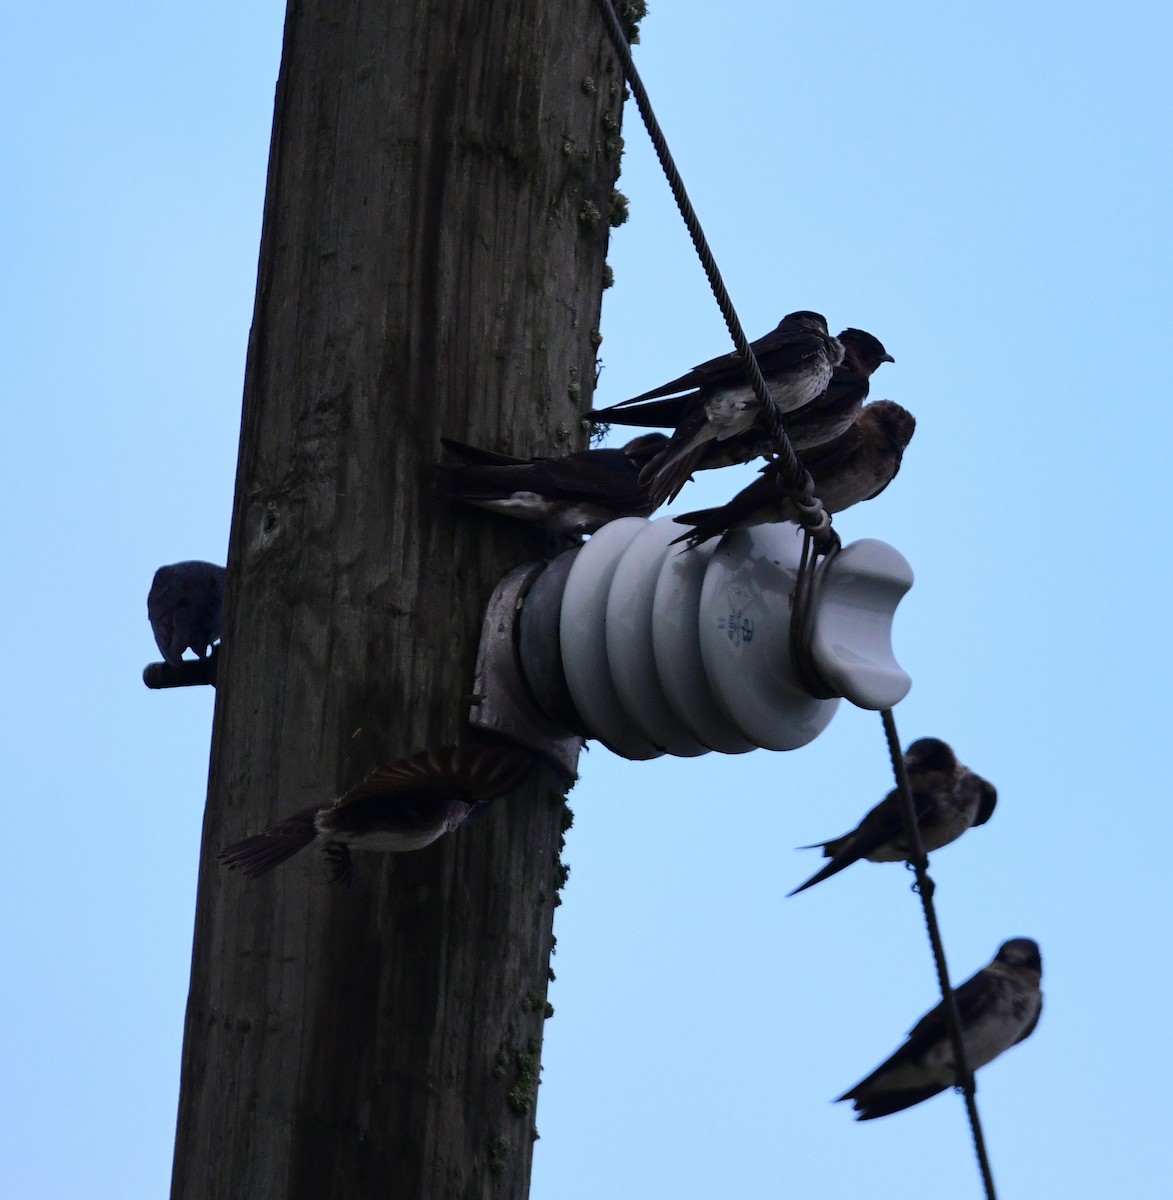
804, 321
930, 754
895, 423
1020, 952
864, 351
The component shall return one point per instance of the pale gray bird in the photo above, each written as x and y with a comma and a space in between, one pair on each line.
949, 799
797, 360
999, 1007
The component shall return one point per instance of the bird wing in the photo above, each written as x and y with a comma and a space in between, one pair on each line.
870, 1100
652, 414
883, 1104
973, 998
589, 475
479, 457
827, 458
1031, 1027
477, 772
884, 824
712, 522
776, 351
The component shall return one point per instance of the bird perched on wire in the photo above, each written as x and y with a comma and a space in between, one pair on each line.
797, 359
948, 797
858, 465
824, 418
404, 806
999, 1007
184, 606
571, 495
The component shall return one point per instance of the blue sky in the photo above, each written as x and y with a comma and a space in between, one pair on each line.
985, 190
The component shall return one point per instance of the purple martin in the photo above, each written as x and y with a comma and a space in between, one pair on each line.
571, 495
797, 359
999, 1007
404, 806
822, 420
184, 607
858, 465
949, 799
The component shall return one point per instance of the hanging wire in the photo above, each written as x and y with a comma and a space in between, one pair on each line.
795, 478
918, 860
803, 605
819, 541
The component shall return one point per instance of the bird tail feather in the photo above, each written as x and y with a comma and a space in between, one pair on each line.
259, 854
871, 1105
671, 469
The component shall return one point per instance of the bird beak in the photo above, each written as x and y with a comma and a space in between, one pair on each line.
887, 358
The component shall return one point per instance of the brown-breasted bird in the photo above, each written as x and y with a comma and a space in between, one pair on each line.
184, 607
570, 495
948, 797
858, 465
797, 359
999, 1007
404, 806
823, 419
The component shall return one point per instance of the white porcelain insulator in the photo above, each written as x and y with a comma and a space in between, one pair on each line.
670, 650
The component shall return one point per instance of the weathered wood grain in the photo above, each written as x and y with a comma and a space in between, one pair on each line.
430, 264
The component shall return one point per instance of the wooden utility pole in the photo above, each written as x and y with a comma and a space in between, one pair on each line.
431, 261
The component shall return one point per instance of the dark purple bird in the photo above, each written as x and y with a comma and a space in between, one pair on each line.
823, 419
797, 359
858, 465
184, 607
571, 495
999, 1007
404, 806
948, 797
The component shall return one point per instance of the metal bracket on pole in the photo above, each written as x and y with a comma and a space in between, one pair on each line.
502, 702
189, 673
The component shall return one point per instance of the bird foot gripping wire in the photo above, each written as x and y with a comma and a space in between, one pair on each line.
816, 522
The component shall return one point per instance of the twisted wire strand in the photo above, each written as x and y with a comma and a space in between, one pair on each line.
919, 862
803, 606
794, 477
820, 539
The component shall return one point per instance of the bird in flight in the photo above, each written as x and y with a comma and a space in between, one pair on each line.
404, 806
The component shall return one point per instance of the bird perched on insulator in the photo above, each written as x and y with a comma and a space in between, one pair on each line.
823, 419
572, 495
858, 465
999, 1007
401, 807
948, 798
184, 606
797, 360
